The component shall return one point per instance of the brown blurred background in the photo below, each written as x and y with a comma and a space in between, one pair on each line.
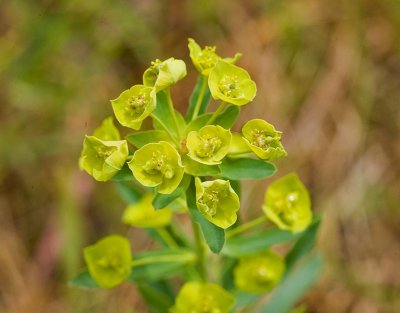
328, 76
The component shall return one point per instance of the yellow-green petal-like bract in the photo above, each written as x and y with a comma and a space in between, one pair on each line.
263, 139
231, 84
157, 165
109, 260
103, 159
196, 297
164, 74
143, 214
217, 201
209, 145
107, 130
134, 105
205, 59
259, 273
287, 204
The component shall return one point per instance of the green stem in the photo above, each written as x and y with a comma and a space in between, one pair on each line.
166, 129
189, 257
216, 113
172, 110
246, 226
166, 236
200, 98
200, 250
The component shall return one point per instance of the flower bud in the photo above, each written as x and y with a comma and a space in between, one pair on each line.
163, 74
195, 297
109, 260
287, 204
263, 139
103, 159
217, 201
157, 165
205, 59
143, 214
231, 84
209, 145
134, 105
259, 273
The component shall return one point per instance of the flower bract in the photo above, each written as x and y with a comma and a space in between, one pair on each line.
287, 204
259, 273
143, 214
109, 260
205, 59
164, 74
107, 130
263, 139
217, 201
209, 145
231, 84
195, 297
103, 159
157, 165
134, 105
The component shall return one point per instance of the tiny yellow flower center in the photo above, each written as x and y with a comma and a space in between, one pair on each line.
159, 164
261, 273
263, 139
207, 58
229, 86
208, 146
211, 198
286, 207
103, 152
206, 305
110, 262
136, 105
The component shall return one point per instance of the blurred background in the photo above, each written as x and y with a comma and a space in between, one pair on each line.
328, 76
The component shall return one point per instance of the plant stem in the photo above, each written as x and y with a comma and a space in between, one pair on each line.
200, 98
216, 113
246, 226
172, 110
166, 236
201, 255
166, 129
189, 257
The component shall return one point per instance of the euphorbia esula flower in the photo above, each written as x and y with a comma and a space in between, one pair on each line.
103, 159
209, 145
217, 201
205, 59
134, 105
287, 204
164, 74
143, 214
157, 165
195, 297
109, 260
263, 139
231, 84
259, 273
107, 130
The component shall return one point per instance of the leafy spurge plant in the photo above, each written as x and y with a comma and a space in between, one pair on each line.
193, 165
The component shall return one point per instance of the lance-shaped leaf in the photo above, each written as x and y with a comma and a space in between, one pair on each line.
246, 168
287, 204
134, 105
200, 88
198, 169
139, 139
161, 200
199, 297
263, 139
231, 84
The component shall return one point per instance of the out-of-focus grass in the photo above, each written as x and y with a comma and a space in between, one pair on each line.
328, 75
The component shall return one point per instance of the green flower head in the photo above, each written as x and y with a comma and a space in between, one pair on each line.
263, 139
259, 273
157, 165
209, 145
107, 130
287, 204
163, 74
217, 201
103, 159
205, 59
195, 297
143, 214
231, 84
134, 105
109, 260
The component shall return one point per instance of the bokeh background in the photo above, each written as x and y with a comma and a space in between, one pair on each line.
328, 76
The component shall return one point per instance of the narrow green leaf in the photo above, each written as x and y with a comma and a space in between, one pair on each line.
162, 200
246, 168
128, 192
124, 174
139, 139
197, 169
194, 97
214, 235
83, 280
157, 301
244, 245
294, 286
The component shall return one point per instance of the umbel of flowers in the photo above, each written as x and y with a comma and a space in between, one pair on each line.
193, 165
